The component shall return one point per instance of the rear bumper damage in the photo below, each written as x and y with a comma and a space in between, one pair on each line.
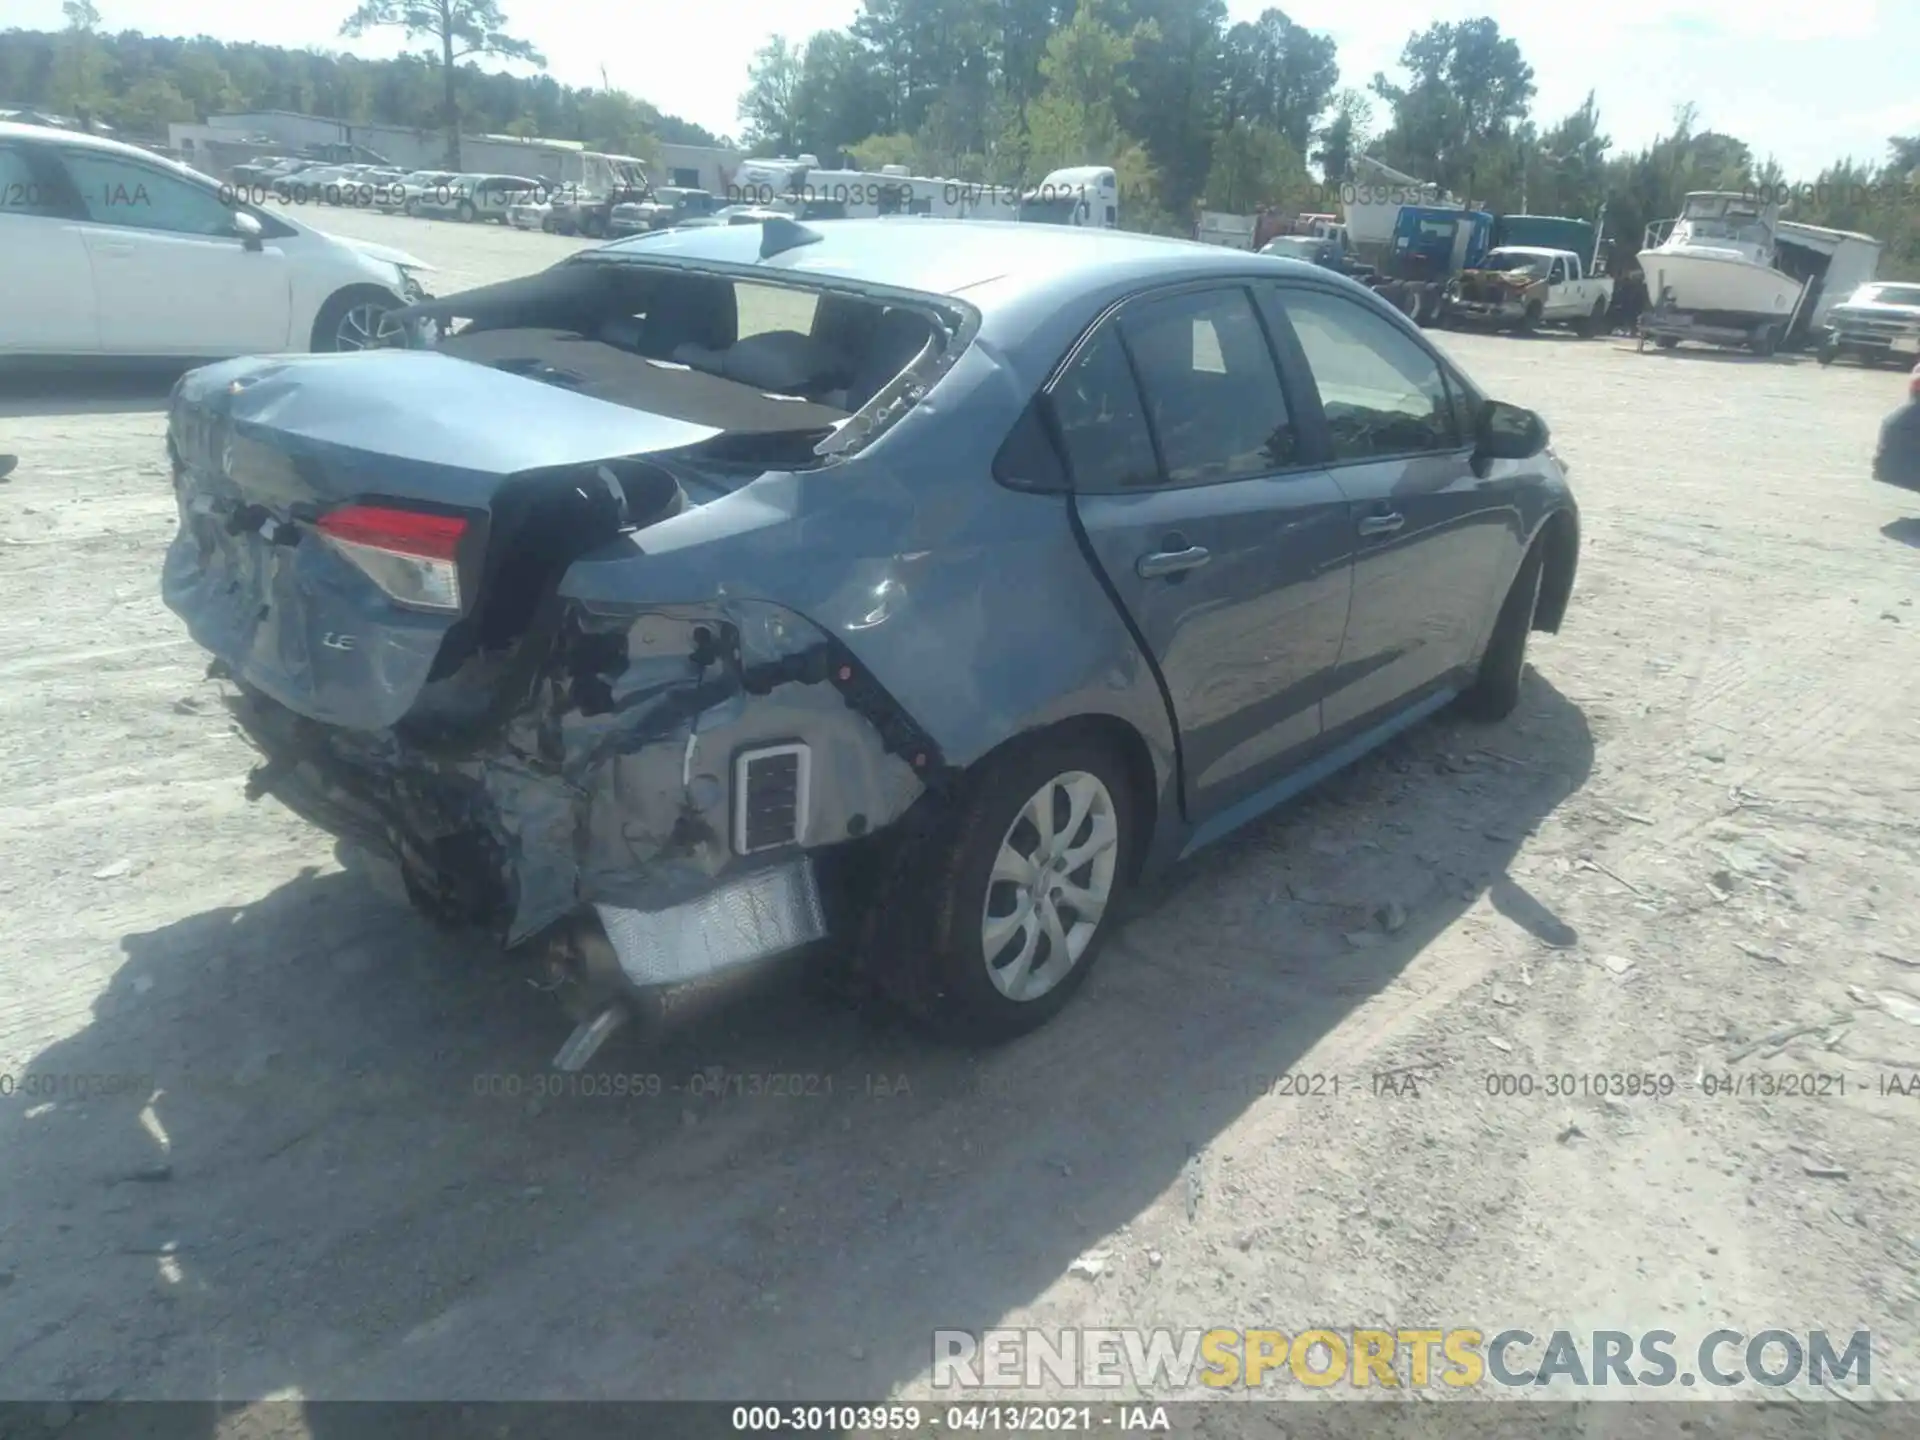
679, 776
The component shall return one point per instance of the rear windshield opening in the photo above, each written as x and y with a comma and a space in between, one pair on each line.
787, 364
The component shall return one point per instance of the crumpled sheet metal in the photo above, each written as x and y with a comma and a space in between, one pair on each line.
631, 806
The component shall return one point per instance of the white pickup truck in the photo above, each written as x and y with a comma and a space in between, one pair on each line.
1522, 287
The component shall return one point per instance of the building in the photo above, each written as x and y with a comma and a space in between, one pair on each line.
207, 146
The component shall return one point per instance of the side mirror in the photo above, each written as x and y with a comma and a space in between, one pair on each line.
1508, 432
249, 229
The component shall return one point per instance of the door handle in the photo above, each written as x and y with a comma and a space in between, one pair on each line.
1382, 524
1172, 562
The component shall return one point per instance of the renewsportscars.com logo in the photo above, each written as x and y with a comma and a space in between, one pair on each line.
1457, 1357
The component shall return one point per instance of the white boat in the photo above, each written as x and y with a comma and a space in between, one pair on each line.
1718, 259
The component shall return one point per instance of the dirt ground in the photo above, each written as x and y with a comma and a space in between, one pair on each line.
1698, 832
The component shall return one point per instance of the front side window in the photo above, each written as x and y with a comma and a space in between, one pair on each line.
124, 193
1383, 394
1213, 396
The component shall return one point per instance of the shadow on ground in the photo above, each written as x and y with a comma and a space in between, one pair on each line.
77, 389
330, 1166
1906, 530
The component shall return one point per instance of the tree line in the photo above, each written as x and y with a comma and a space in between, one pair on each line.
140, 84
1192, 111
1195, 112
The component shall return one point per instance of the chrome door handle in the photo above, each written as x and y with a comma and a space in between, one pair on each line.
1172, 562
1382, 524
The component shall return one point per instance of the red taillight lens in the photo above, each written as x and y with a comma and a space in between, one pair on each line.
407, 553
1913, 385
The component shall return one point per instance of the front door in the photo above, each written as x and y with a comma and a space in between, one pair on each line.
1433, 538
47, 305
170, 274
1229, 552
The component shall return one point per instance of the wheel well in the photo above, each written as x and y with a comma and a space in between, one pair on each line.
1126, 744
342, 300
1559, 546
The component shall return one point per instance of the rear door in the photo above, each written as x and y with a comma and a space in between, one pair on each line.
1229, 549
171, 275
47, 304
1435, 540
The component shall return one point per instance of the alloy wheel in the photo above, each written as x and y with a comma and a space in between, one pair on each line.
1050, 884
367, 326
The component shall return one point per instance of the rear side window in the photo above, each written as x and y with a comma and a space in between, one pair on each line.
1383, 394
1213, 396
1102, 425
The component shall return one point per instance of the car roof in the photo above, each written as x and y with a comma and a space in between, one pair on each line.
950, 257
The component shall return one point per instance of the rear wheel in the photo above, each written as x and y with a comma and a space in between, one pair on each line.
1496, 689
466, 212
1000, 908
1595, 322
1765, 341
1665, 342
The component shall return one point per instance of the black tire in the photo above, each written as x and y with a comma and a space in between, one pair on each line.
1529, 318
1827, 355
1765, 341
412, 207
465, 212
1595, 322
1665, 342
1496, 689
923, 944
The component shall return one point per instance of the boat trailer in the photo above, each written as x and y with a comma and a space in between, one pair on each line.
1666, 325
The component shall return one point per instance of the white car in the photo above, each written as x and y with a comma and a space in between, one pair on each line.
109, 250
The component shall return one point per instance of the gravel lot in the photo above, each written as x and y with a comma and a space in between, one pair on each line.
1698, 832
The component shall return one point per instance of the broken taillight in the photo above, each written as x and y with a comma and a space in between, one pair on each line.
411, 555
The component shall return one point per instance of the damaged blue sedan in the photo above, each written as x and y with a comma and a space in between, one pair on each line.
902, 589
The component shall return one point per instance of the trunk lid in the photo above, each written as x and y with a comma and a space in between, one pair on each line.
511, 477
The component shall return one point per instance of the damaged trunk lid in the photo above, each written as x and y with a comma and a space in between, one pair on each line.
353, 527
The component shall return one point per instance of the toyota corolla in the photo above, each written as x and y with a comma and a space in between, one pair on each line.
743, 590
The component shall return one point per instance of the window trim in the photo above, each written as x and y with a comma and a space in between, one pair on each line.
1462, 445
1310, 461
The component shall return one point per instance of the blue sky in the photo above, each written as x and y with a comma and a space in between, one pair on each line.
1804, 80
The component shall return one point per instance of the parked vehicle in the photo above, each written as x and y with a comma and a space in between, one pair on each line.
1877, 322
927, 627
1896, 460
1430, 245
1218, 227
590, 212
535, 212
1521, 288
267, 169
1325, 251
415, 185
189, 272
1084, 196
471, 198
671, 205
